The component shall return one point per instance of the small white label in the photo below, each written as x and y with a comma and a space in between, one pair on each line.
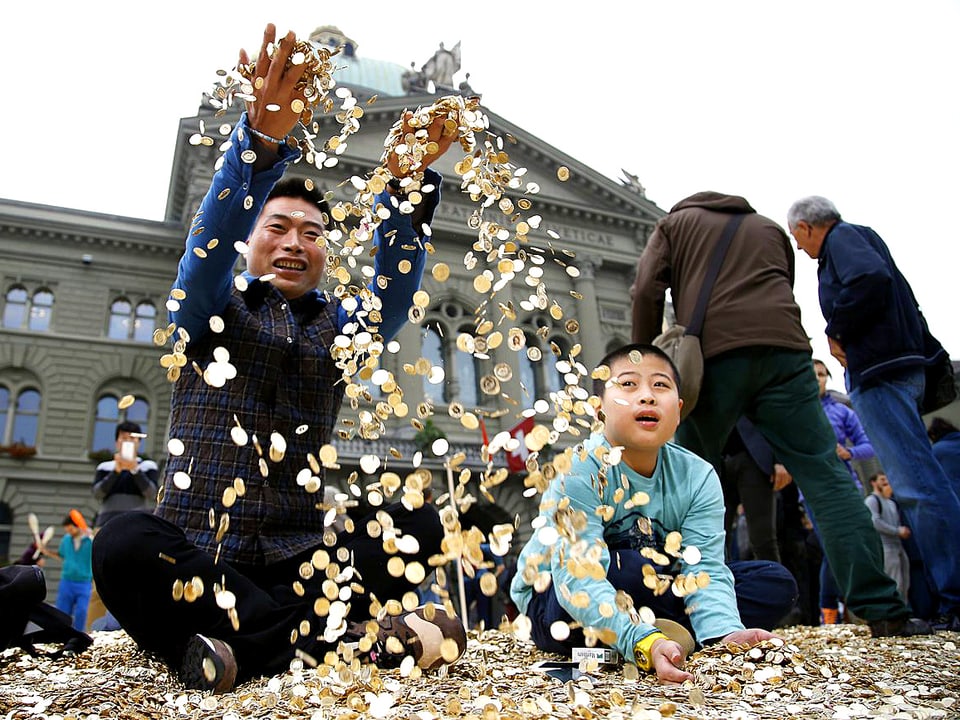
604, 656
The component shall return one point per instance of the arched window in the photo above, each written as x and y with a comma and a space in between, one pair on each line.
15, 307
4, 411
26, 418
431, 348
118, 327
145, 322
21, 310
529, 371
19, 415
127, 323
41, 310
468, 375
108, 415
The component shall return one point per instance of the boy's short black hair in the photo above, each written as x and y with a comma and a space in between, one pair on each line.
621, 352
68, 521
296, 187
127, 426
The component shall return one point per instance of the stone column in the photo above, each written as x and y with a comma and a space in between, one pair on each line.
588, 311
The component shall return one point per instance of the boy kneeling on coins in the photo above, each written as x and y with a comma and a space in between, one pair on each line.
628, 550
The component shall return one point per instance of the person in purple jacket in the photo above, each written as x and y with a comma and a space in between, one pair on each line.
852, 444
852, 441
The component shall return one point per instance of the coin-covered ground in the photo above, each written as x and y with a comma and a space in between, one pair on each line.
824, 672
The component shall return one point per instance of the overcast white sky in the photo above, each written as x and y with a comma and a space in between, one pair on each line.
854, 100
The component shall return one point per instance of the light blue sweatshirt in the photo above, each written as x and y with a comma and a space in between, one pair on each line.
685, 496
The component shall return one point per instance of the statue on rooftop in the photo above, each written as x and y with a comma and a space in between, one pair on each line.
413, 80
632, 182
441, 68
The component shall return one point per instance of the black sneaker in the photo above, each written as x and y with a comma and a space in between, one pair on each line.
427, 633
902, 627
208, 664
947, 622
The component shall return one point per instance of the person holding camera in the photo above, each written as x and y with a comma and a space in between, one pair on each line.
127, 482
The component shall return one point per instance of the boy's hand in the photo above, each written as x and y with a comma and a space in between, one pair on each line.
750, 636
667, 659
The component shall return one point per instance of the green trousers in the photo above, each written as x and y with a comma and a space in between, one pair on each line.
776, 389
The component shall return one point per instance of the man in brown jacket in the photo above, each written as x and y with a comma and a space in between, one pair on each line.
757, 364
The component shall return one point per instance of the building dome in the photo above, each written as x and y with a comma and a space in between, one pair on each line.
362, 75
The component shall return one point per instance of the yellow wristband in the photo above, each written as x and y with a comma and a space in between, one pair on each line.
641, 650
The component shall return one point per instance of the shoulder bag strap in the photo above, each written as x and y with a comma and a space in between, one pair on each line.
695, 326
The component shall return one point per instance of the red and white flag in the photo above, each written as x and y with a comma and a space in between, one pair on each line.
517, 459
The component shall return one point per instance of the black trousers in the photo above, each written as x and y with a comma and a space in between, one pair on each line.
745, 483
138, 558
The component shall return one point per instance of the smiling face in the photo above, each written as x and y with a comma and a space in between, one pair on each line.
642, 409
284, 243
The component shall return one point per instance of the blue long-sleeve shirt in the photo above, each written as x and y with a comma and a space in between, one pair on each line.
287, 380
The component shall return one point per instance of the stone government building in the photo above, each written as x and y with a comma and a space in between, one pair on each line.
82, 293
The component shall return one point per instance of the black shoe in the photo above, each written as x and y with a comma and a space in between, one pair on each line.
427, 633
903, 627
947, 622
208, 664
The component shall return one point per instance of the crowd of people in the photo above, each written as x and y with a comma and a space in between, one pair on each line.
764, 441
758, 405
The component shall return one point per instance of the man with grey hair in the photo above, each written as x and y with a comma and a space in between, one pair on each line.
878, 334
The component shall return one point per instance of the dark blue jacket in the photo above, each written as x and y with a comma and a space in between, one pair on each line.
868, 304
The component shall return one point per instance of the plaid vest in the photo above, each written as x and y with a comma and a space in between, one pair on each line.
285, 381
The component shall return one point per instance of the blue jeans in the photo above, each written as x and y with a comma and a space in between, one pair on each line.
73, 598
765, 593
888, 411
830, 596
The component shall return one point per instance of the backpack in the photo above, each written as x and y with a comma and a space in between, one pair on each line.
25, 619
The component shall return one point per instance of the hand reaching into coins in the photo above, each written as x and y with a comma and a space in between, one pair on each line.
668, 658
750, 636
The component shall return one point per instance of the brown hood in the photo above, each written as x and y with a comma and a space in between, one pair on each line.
710, 200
